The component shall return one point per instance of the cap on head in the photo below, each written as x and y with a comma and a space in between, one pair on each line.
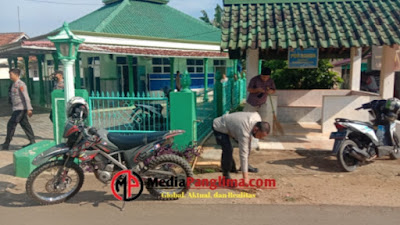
266, 71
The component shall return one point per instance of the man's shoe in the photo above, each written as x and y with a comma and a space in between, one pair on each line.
23, 146
251, 169
226, 175
5, 146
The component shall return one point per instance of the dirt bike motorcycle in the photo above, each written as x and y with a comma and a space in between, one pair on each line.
60, 172
358, 142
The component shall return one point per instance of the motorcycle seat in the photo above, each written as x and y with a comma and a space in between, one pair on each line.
125, 142
355, 121
157, 107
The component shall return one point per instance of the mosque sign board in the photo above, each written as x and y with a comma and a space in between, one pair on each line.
303, 58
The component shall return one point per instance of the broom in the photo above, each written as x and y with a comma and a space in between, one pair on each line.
276, 126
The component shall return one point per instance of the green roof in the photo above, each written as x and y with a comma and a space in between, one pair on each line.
273, 24
146, 18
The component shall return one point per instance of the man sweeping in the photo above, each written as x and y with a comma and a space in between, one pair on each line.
259, 88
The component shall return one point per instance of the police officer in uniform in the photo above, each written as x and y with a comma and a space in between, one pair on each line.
22, 108
58, 77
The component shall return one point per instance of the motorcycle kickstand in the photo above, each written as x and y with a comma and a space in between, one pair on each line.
123, 206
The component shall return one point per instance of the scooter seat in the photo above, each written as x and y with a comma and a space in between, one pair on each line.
125, 142
355, 121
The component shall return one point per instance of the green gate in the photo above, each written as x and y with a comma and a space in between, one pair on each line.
115, 112
206, 112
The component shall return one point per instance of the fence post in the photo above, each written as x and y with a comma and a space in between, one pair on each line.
244, 86
219, 94
183, 113
205, 80
40, 59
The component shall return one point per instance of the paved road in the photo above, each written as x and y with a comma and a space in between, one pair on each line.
151, 212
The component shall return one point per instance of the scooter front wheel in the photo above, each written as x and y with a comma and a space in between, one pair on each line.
347, 162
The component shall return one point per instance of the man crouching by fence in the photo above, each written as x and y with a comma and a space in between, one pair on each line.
242, 126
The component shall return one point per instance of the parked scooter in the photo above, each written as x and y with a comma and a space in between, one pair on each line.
358, 142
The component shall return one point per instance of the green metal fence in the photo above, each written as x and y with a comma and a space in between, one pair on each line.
206, 112
116, 112
147, 112
225, 97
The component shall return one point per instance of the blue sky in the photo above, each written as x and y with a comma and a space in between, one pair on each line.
38, 17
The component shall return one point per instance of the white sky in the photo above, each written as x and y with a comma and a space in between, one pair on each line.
38, 17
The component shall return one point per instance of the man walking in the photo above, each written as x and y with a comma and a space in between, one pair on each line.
242, 126
21, 106
58, 76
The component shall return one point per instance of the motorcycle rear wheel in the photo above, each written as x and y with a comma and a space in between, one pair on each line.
54, 191
171, 163
345, 160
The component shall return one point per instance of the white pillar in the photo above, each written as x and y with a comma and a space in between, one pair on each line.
386, 86
252, 58
355, 68
69, 89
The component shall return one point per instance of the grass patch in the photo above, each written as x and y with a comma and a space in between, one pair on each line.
205, 170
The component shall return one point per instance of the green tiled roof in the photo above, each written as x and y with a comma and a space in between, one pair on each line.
273, 24
151, 18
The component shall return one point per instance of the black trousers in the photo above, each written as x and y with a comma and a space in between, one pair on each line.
51, 116
227, 162
21, 117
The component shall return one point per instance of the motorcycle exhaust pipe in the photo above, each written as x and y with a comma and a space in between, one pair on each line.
357, 156
361, 152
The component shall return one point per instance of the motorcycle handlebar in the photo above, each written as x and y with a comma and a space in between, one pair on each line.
364, 106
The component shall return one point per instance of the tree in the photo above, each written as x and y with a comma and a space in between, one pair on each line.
205, 17
318, 78
217, 21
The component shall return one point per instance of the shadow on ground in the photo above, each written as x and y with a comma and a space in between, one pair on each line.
93, 198
7, 170
313, 160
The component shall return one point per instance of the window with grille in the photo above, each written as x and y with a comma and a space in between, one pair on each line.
195, 65
161, 65
218, 62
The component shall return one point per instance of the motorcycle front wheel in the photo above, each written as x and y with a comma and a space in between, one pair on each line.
167, 167
44, 186
347, 162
